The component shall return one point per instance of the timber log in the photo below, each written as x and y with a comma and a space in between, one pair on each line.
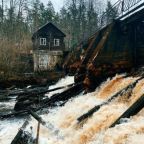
92, 43
21, 136
48, 102
131, 111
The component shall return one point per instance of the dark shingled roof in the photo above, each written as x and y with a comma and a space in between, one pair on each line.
47, 25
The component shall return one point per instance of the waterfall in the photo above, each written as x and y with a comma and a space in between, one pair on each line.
62, 126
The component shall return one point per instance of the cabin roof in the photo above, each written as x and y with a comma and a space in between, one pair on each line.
47, 25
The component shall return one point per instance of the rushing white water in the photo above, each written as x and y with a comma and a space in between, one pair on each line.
61, 122
61, 83
8, 129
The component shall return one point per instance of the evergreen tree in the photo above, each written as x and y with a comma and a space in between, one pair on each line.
82, 19
73, 11
35, 14
43, 14
66, 25
50, 12
92, 18
111, 13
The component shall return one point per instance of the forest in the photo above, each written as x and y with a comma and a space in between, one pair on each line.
19, 19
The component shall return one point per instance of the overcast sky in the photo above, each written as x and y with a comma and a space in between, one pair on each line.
59, 3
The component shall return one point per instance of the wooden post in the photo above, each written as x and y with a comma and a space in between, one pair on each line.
38, 130
38, 118
20, 132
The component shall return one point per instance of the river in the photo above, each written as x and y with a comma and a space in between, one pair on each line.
62, 126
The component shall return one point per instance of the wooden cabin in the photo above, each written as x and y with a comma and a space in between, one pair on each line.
48, 47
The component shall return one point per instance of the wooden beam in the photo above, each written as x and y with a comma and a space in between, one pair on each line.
38, 118
20, 132
131, 111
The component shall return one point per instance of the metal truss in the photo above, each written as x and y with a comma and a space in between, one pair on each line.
121, 9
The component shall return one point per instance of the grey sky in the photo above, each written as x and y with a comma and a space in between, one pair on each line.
59, 3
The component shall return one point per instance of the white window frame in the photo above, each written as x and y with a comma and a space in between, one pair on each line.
42, 41
56, 42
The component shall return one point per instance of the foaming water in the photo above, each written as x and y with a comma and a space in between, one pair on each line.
61, 83
61, 122
7, 107
9, 129
137, 91
131, 132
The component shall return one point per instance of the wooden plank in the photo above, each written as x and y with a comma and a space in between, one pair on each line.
37, 93
49, 102
91, 48
38, 118
20, 132
102, 42
131, 111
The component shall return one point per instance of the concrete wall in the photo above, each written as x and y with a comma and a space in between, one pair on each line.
46, 60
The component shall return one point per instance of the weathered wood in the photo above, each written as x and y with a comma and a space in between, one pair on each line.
36, 97
38, 118
94, 75
21, 92
20, 132
50, 32
38, 93
22, 112
80, 74
38, 131
5, 98
49, 102
91, 47
131, 111
64, 96
31, 91
120, 93
102, 42
46, 124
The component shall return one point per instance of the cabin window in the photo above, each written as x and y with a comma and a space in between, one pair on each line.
42, 41
56, 42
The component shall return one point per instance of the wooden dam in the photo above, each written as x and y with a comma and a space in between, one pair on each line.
118, 46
